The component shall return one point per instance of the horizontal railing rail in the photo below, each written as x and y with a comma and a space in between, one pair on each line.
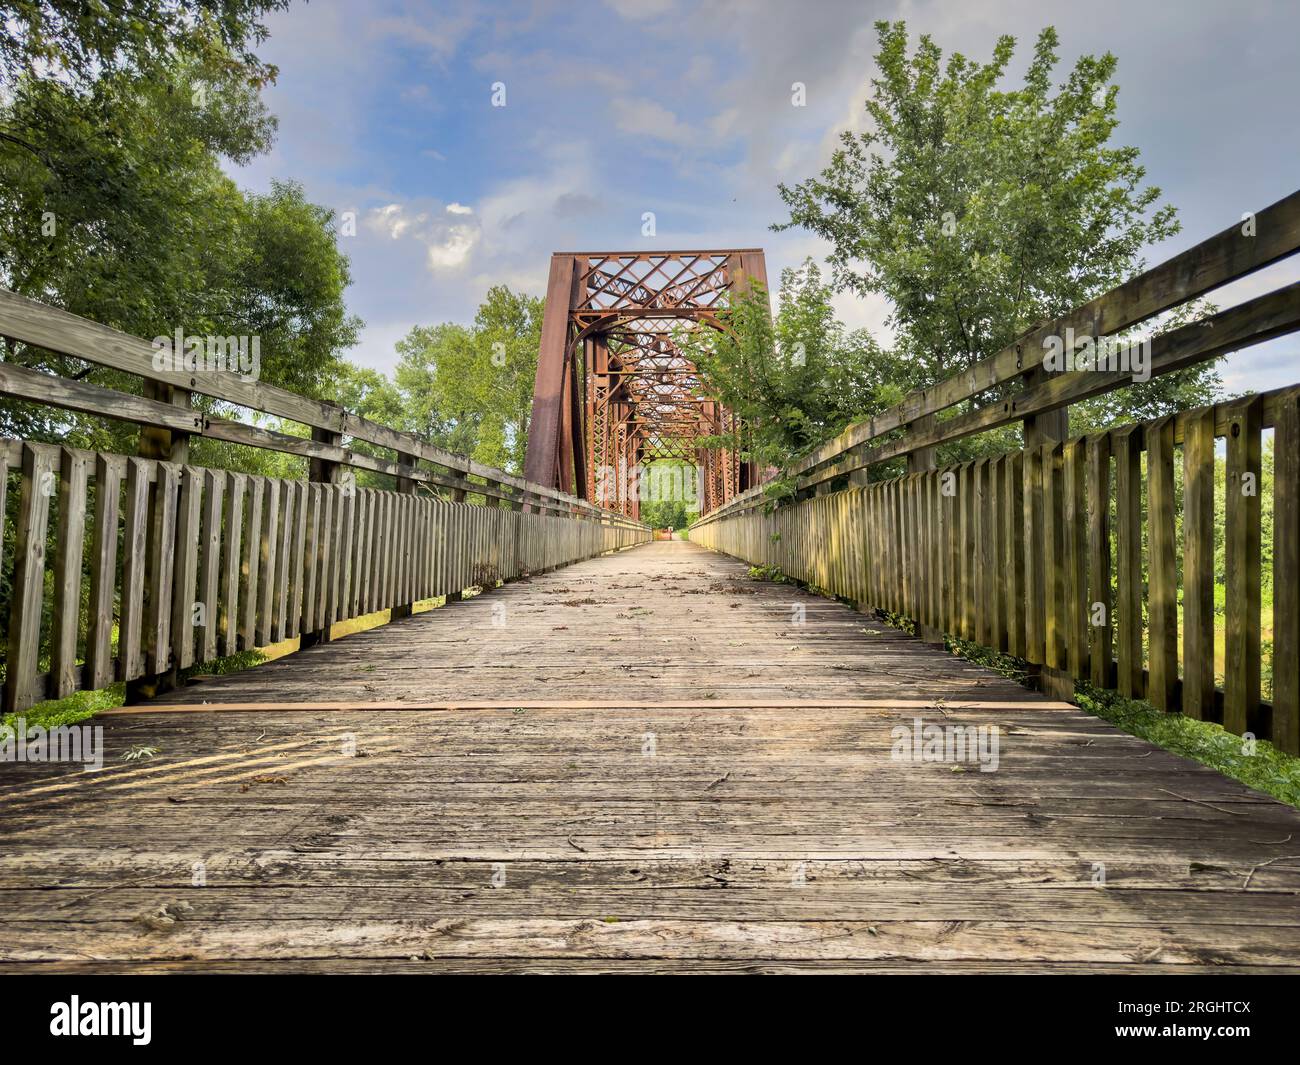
28, 321
158, 566
912, 425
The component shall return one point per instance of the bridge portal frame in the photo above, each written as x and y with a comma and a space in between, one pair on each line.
614, 389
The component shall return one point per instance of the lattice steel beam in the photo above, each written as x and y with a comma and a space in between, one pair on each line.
614, 387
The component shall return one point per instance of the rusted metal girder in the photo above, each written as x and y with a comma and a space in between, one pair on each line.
614, 388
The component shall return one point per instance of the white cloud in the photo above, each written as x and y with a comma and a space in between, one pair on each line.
448, 235
452, 250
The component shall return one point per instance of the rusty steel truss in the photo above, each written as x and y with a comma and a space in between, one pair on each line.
615, 388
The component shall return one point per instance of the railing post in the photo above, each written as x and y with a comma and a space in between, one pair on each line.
921, 461
322, 471
405, 486
326, 471
457, 496
1051, 426
165, 445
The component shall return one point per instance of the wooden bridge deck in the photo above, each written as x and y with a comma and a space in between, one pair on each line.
668, 772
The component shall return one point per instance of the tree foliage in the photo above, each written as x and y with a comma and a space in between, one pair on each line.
979, 211
470, 388
799, 377
114, 205
79, 40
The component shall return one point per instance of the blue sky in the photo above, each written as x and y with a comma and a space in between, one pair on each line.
626, 106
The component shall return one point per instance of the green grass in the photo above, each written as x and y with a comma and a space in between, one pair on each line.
68, 711
769, 573
80, 705
1266, 769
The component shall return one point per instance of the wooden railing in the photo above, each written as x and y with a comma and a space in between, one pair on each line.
1092, 558
415, 460
130, 568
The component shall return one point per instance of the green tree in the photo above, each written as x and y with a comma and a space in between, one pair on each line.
470, 389
979, 212
798, 378
434, 376
507, 336
141, 230
78, 40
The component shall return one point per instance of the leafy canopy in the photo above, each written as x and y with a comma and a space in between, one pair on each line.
979, 211
466, 388
78, 40
798, 378
114, 205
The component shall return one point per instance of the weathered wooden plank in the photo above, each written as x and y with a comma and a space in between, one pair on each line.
135, 570
909, 544
65, 674
1242, 549
301, 564
1014, 535
70, 394
1054, 562
1001, 556
39, 483
344, 554
968, 520
386, 541
401, 545
1074, 532
109, 473
1198, 565
1032, 540
162, 559
232, 558
214, 493
324, 556
188, 537
269, 552
361, 552
1162, 608
1127, 445
289, 567
1286, 576
1100, 604
251, 568
307, 583
985, 507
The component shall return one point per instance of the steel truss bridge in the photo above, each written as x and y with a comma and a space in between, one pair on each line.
616, 386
